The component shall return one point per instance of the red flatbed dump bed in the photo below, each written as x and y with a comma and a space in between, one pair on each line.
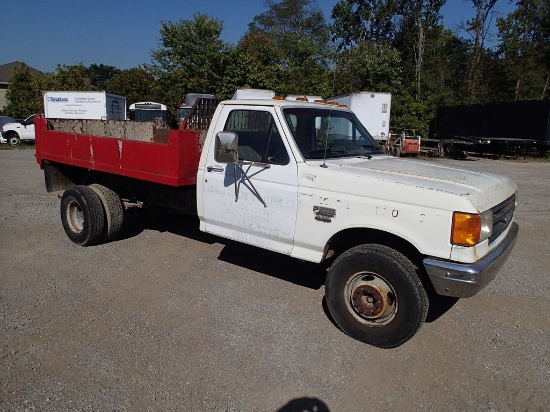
173, 162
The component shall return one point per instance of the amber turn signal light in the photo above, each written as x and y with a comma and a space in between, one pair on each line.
466, 229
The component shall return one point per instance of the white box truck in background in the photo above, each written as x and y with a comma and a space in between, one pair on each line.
373, 111
89, 105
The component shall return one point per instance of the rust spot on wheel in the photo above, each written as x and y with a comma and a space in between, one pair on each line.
369, 301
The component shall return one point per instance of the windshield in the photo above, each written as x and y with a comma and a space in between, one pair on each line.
148, 115
324, 133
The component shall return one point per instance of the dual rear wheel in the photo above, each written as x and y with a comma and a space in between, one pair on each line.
91, 214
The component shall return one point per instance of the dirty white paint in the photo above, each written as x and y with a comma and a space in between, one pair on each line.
409, 199
245, 218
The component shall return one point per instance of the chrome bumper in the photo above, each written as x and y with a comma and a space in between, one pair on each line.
463, 280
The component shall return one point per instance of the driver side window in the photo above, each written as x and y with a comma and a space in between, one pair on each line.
259, 138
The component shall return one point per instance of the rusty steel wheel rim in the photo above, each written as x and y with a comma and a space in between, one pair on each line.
370, 299
75, 216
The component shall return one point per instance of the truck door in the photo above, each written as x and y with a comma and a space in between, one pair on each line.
258, 207
27, 131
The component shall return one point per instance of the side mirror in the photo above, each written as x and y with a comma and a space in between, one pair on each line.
225, 150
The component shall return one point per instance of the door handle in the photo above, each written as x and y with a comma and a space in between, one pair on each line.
214, 169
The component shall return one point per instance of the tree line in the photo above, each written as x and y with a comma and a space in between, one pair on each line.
396, 46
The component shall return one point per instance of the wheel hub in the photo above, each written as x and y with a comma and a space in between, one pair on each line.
369, 301
371, 298
75, 217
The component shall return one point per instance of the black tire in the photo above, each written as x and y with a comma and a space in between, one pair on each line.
114, 212
375, 296
82, 215
14, 140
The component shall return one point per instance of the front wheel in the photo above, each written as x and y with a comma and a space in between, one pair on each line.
375, 296
14, 140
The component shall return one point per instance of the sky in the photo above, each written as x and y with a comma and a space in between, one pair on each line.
122, 33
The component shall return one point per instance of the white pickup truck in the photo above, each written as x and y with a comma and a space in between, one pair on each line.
16, 132
302, 179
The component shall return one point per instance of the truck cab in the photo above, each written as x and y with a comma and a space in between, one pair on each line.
269, 208
304, 174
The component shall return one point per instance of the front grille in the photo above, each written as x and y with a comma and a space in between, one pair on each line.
503, 214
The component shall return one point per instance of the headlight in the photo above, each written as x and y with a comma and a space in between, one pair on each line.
469, 229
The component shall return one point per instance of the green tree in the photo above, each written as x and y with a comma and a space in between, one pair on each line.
447, 68
301, 37
24, 94
525, 47
357, 21
418, 39
408, 112
367, 66
70, 78
253, 63
190, 58
478, 29
137, 84
397, 46
100, 75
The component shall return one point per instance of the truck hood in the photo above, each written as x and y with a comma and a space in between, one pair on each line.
12, 126
401, 177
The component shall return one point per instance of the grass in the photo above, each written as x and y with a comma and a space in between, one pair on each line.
22, 146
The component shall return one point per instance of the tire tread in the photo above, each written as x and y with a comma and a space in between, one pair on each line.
407, 268
114, 212
92, 208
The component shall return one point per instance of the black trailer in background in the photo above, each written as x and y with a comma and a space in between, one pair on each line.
504, 128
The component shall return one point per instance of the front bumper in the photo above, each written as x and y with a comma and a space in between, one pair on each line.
463, 280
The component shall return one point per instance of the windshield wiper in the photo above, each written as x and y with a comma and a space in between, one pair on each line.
322, 151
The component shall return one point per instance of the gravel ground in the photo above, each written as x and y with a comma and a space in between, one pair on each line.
168, 318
